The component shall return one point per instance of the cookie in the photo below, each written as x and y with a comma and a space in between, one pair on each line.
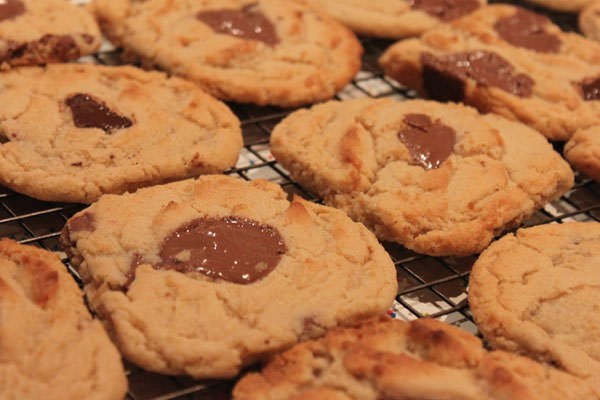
440, 179
537, 292
562, 5
71, 132
391, 359
583, 152
265, 52
38, 32
509, 61
50, 346
589, 20
203, 277
394, 19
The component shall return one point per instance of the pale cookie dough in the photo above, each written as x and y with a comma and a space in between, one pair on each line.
509, 61
583, 152
589, 20
391, 359
71, 132
50, 346
490, 175
395, 19
260, 51
538, 293
38, 32
256, 274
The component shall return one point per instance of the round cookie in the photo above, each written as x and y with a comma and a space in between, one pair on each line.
38, 32
203, 277
509, 61
583, 151
50, 346
391, 359
440, 179
71, 132
589, 20
253, 51
395, 19
538, 293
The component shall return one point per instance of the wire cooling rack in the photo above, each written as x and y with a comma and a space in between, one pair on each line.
428, 286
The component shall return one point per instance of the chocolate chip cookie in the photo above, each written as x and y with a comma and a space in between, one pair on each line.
583, 151
440, 179
203, 277
50, 346
39, 32
253, 51
395, 19
71, 132
538, 292
509, 61
391, 359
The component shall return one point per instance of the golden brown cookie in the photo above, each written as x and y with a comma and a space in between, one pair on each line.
203, 277
38, 32
50, 346
390, 359
265, 52
395, 19
509, 61
538, 293
72, 132
583, 151
440, 179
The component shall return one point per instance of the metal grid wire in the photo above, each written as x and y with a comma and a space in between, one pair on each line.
428, 286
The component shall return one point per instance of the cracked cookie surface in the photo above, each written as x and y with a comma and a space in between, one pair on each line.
395, 19
298, 56
391, 359
364, 156
71, 132
37, 32
509, 61
583, 152
538, 293
171, 314
50, 346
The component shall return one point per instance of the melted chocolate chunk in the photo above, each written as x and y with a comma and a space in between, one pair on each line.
429, 143
444, 77
445, 10
234, 249
247, 23
90, 113
527, 29
82, 222
590, 88
10, 9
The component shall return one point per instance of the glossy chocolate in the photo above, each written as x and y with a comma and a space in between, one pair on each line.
590, 89
90, 113
445, 10
234, 249
444, 77
527, 29
10, 9
247, 23
429, 142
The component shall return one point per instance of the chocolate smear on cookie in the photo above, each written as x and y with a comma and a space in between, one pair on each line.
429, 142
247, 23
234, 249
444, 77
82, 222
10, 9
527, 29
91, 113
445, 10
590, 88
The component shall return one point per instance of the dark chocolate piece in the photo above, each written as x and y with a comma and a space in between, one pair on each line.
527, 29
590, 88
10, 9
445, 10
429, 142
90, 113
